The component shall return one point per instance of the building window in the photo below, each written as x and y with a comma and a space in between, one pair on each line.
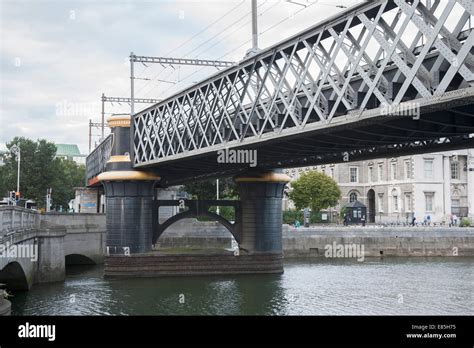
380, 202
394, 171
371, 172
394, 200
380, 172
407, 170
428, 167
455, 203
408, 203
454, 170
354, 174
429, 201
352, 197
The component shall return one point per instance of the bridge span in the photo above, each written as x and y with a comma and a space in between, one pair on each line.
384, 78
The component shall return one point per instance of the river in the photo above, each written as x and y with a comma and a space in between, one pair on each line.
390, 286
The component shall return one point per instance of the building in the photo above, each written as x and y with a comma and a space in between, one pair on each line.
71, 152
432, 187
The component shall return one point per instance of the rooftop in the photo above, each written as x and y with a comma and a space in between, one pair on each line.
69, 150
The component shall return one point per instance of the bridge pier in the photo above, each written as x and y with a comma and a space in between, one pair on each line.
261, 197
51, 263
129, 196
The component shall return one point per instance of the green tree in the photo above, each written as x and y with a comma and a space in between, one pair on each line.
314, 190
207, 189
71, 175
39, 171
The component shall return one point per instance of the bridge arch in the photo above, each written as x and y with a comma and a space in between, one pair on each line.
194, 212
78, 259
14, 276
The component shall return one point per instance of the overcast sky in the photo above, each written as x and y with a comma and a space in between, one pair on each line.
57, 57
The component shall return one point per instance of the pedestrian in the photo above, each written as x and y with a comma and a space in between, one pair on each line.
413, 219
346, 220
455, 219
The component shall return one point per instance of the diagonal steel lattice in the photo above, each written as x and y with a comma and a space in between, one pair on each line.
380, 53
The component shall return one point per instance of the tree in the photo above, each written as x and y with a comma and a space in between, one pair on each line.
207, 189
39, 171
314, 190
71, 175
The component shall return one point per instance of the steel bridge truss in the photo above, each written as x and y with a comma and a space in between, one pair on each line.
378, 54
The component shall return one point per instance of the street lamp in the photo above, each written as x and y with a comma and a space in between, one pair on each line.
217, 189
15, 149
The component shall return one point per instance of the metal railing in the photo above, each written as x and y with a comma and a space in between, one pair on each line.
97, 159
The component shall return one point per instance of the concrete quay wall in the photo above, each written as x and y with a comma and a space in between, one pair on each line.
380, 241
312, 241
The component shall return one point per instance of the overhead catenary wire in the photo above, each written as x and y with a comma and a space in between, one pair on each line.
207, 49
203, 43
248, 41
190, 39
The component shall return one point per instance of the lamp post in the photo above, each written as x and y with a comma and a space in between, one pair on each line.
15, 149
217, 187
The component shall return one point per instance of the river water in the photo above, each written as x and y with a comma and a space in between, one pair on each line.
390, 286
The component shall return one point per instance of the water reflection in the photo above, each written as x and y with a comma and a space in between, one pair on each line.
390, 286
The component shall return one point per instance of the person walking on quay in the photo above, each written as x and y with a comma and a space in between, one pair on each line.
413, 219
346, 220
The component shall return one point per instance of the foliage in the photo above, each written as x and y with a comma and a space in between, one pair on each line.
71, 175
314, 190
290, 216
226, 212
40, 170
342, 212
465, 222
206, 189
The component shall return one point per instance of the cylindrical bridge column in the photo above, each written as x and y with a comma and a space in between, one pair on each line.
129, 196
261, 197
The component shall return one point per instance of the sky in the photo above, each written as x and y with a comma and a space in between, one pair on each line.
59, 56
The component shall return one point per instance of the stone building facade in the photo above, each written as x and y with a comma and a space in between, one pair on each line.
432, 187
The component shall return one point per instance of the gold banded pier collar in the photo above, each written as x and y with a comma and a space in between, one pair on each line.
119, 121
119, 158
128, 175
